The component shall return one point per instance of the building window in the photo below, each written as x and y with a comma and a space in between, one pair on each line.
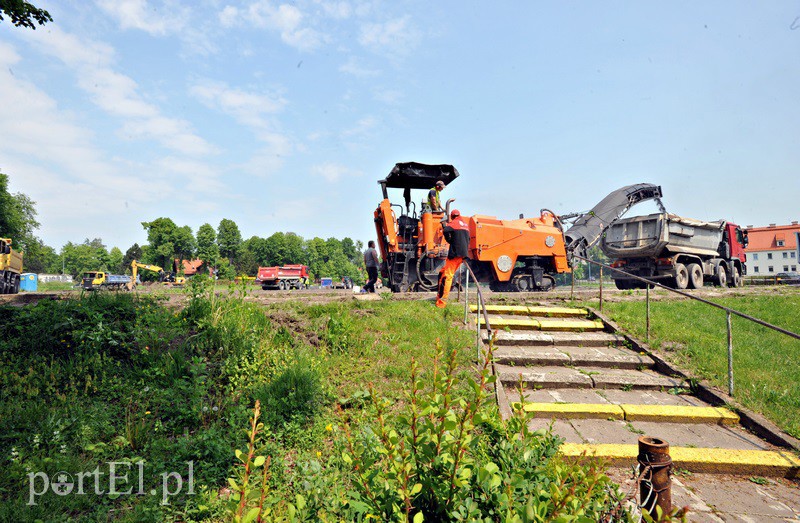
794, 268
792, 254
785, 268
785, 255
769, 255
770, 269
755, 270
755, 257
780, 243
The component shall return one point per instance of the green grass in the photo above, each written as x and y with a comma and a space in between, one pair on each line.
766, 363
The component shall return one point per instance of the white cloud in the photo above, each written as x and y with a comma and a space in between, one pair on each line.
157, 20
246, 107
333, 172
337, 10
388, 96
395, 37
118, 94
354, 68
362, 127
286, 19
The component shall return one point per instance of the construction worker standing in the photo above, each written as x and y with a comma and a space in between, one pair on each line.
371, 262
434, 201
456, 232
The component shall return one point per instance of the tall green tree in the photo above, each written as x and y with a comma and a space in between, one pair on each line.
17, 214
167, 241
134, 252
23, 14
91, 255
276, 250
207, 248
229, 239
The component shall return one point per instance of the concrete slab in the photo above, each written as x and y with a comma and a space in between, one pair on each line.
546, 355
718, 498
575, 410
679, 414
699, 435
634, 379
561, 427
570, 324
532, 310
650, 397
519, 323
607, 357
605, 431
559, 339
707, 460
560, 396
544, 377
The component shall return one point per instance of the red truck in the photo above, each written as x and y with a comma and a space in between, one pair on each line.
283, 278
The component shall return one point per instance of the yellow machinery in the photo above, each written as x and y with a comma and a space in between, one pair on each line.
169, 279
10, 267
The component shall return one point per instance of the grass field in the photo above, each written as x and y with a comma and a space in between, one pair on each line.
153, 382
694, 336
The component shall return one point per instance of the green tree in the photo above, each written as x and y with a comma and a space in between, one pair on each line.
294, 249
134, 252
275, 247
207, 248
115, 258
90, 255
23, 14
167, 241
17, 215
40, 257
229, 239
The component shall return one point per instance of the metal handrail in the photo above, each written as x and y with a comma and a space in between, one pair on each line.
480, 304
728, 311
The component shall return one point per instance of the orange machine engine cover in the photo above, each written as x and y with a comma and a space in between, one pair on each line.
503, 242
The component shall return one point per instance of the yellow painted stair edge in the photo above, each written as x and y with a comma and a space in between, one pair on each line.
629, 412
706, 460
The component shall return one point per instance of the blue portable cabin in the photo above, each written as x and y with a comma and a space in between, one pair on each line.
29, 282
326, 283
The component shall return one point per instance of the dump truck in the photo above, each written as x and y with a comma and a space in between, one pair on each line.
283, 278
10, 267
676, 251
522, 254
93, 280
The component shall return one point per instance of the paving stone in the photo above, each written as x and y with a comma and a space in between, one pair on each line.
559, 396
561, 427
701, 435
555, 377
650, 397
619, 378
607, 357
546, 355
560, 339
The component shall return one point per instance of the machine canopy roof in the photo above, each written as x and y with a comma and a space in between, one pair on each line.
413, 175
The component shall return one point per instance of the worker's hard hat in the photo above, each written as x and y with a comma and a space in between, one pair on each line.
454, 213
440, 183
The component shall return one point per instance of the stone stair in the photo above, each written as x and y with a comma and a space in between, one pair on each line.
600, 395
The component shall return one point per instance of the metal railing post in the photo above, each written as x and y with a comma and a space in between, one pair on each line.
572, 292
466, 297
601, 288
730, 353
647, 294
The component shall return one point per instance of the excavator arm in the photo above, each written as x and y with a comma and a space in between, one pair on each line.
589, 227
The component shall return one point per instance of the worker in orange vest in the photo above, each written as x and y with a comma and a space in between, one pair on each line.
456, 232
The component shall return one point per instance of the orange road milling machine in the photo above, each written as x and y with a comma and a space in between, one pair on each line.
523, 254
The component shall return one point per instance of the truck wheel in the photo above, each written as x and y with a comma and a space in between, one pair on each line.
265, 287
736, 277
681, 276
281, 285
695, 276
721, 278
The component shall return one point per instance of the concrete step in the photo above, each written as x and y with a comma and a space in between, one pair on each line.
542, 324
558, 339
585, 378
629, 412
533, 310
577, 356
748, 462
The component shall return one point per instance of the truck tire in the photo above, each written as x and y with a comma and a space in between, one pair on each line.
265, 287
281, 285
695, 276
622, 285
681, 276
736, 277
721, 277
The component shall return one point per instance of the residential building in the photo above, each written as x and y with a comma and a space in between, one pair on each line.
772, 249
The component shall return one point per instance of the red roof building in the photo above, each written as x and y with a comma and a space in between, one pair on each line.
772, 249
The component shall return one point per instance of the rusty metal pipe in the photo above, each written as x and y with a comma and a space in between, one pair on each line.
655, 487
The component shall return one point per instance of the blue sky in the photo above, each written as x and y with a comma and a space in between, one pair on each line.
282, 115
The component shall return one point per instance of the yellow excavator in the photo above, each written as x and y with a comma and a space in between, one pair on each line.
170, 279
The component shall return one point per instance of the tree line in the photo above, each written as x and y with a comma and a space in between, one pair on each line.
222, 248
